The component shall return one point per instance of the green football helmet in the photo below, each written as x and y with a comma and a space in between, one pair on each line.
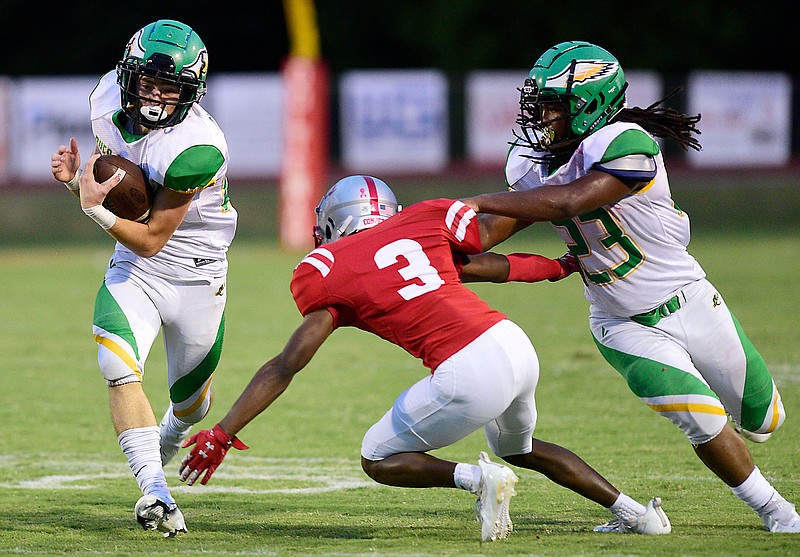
166, 50
586, 79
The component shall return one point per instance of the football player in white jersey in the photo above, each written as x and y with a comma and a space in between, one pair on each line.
593, 169
167, 273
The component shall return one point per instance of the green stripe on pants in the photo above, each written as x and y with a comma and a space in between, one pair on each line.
108, 315
648, 378
187, 385
757, 396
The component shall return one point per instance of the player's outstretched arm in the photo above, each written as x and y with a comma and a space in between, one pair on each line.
548, 203
495, 229
269, 382
517, 267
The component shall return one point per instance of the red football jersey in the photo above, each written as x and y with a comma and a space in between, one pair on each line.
399, 281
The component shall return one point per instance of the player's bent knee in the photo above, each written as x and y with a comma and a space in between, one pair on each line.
371, 452
192, 417
699, 427
192, 411
117, 367
765, 418
370, 467
391, 471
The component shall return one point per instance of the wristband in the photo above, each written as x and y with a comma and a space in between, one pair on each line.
227, 440
528, 267
102, 216
74, 184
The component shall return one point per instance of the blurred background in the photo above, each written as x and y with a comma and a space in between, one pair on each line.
422, 93
452, 35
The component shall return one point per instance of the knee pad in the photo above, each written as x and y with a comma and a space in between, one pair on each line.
764, 416
194, 408
700, 423
506, 443
118, 364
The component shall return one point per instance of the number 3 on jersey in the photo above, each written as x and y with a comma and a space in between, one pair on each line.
601, 226
419, 267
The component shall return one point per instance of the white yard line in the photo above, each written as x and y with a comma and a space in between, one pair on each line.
77, 473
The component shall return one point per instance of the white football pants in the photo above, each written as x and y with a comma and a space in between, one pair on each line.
694, 367
490, 383
130, 309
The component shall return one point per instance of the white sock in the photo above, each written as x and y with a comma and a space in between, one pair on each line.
467, 476
760, 496
755, 491
627, 509
141, 446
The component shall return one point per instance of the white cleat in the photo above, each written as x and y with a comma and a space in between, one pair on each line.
154, 514
170, 442
654, 521
494, 498
786, 526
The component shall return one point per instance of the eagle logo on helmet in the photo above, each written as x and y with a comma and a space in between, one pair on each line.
582, 71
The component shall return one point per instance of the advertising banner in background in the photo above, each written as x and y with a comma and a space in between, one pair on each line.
5, 129
249, 109
746, 118
644, 88
42, 113
45, 113
394, 121
492, 105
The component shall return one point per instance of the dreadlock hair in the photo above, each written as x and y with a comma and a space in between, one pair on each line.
664, 122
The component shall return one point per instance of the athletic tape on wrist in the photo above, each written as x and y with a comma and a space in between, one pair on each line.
102, 216
74, 184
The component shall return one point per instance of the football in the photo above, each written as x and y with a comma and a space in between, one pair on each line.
132, 198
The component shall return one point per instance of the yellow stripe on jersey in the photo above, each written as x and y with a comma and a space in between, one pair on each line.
120, 352
689, 407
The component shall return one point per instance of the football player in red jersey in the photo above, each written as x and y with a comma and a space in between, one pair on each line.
399, 275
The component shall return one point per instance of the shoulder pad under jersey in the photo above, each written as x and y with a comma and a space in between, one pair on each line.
630, 157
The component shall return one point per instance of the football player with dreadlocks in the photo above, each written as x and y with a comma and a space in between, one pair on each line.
593, 169
168, 272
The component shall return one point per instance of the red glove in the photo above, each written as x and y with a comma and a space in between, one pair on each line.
528, 267
569, 264
211, 447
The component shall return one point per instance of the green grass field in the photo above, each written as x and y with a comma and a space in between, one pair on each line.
65, 488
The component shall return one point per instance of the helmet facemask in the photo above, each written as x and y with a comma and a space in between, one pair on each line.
148, 112
169, 52
537, 133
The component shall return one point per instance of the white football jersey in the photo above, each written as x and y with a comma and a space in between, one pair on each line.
633, 252
192, 158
